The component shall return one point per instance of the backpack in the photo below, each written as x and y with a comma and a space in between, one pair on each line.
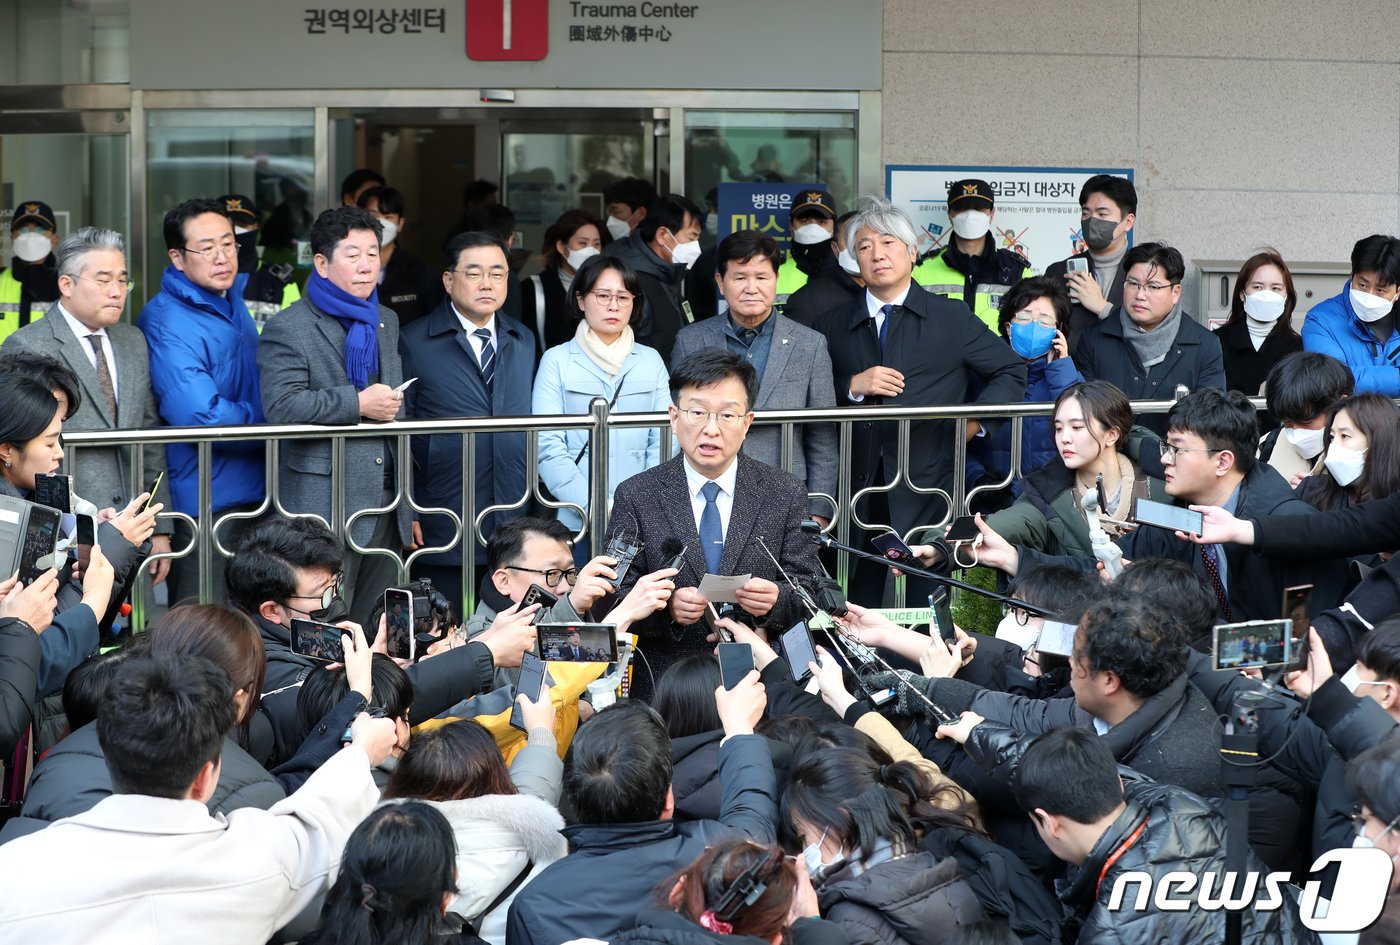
1005, 887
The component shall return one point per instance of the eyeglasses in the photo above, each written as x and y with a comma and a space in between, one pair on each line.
326, 597
1132, 286
606, 299
1169, 452
1026, 317
477, 274
1022, 616
1358, 824
552, 576
121, 283
229, 248
698, 418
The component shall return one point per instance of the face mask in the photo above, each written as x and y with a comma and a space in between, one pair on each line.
1368, 307
1013, 632
1345, 464
685, 254
1264, 306
577, 257
1307, 443
390, 232
247, 241
972, 224
32, 247
1362, 842
810, 233
1098, 234
848, 263
812, 858
618, 228
1032, 341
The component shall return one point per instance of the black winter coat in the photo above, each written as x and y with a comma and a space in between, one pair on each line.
1103, 354
19, 680
1245, 368
663, 313
664, 927
1161, 829
831, 288
695, 773
915, 900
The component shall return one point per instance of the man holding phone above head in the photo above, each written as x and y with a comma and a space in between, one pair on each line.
1209, 459
333, 358
721, 506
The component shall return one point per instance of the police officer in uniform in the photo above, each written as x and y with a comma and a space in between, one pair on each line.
270, 288
30, 284
812, 223
970, 268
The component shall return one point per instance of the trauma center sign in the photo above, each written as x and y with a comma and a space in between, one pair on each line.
1037, 208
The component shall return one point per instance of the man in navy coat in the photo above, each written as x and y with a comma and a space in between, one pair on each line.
471, 360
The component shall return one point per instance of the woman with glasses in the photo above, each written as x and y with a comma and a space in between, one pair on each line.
602, 360
1033, 321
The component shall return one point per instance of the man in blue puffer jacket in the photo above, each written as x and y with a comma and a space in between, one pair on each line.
1357, 326
204, 370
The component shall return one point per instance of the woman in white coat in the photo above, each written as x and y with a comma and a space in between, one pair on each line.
505, 821
602, 360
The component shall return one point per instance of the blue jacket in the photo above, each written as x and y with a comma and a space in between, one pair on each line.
1045, 380
1332, 328
204, 371
437, 351
567, 382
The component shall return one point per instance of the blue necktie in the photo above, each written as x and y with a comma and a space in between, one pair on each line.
887, 310
711, 535
488, 356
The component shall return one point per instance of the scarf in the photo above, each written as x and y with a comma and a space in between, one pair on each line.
1151, 346
608, 357
360, 319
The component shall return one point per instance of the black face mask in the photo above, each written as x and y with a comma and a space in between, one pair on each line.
809, 257
247, 251
1098, 234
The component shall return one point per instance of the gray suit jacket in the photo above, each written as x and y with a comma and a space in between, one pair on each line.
301, 360
798, 375
104, 476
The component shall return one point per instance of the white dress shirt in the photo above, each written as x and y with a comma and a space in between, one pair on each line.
874, 306
82, 331
724, 501
469, 326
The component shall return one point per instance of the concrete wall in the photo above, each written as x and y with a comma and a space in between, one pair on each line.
1248, 122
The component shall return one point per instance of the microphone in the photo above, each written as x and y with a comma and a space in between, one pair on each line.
673, 550
811, 527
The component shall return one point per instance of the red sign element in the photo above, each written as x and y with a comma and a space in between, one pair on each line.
501, 30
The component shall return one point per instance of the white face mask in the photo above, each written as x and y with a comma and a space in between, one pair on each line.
1013, 632
1265, 306
809, 234
1307, 443
972, 224
32, 247
685, 254
1368, 307
577, 257
848, 263
618, 228
1345, 464
812, 857
391, 232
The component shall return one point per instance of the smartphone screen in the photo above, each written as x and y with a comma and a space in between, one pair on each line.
40, 538
576, 642
893, 547
53, 491
398, 622
1253, 644
1297, 608
154, 486
1056, 638
799, 650
1171, 517
942, 609
532, 670
735, 662
318, 641
964, 528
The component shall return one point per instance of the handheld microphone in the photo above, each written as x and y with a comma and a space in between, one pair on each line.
673, 550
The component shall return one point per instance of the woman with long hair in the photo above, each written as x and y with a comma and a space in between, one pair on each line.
1259, 332
1361, 460
504, 836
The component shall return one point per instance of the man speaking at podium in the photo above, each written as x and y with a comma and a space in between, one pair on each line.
718, 506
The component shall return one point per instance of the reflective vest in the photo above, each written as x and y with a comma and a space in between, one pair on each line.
10, 294
790, 279
262, 311
938, 277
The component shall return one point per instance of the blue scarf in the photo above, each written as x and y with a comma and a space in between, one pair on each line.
360, 319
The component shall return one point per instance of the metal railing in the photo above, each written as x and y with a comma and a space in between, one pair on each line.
599, 423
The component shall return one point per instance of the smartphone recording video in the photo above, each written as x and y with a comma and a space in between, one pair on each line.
317, 641
1056, 638
399, 618
1253, 644
799, 650
576, 642
1173, 518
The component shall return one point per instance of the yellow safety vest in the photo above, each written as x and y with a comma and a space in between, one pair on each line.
942, 279
10, 294
790, 279
262, 311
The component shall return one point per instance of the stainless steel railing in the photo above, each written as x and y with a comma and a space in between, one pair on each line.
599, 423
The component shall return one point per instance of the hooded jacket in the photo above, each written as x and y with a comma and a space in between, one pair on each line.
1333, 328
204, 371
917, 899
695, 773
663, 311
